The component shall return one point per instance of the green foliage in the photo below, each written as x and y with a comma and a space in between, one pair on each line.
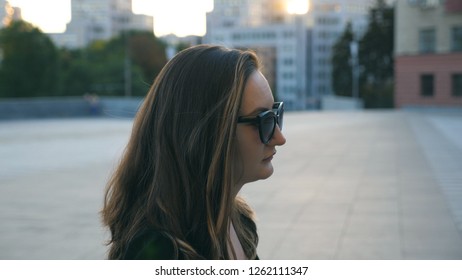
375, 60
376, 46
29, 65
377, 96
182, 46
341, 68
148, 53
76, 77
101, 65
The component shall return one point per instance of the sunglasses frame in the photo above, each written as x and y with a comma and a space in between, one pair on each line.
276, 113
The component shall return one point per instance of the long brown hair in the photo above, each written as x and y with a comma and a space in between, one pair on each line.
178, 172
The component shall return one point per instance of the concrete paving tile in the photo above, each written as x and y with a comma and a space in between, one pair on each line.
373, 226
386, 206
412, 190
431, 249
324, 211
377, 191
270, 239
370, 248
424, 206
431, 230
308, 243
339, 182
338, 193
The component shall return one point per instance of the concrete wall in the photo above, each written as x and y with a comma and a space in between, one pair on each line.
68, 107
341, 103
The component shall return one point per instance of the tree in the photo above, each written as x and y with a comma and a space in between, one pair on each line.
29, 63
75, 77
341, 68
100, 67
376, 58
148, 53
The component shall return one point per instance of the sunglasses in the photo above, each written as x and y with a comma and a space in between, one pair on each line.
266, 121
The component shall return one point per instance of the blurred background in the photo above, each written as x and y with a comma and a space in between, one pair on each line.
372, 89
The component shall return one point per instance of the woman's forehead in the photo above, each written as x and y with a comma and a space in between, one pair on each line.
257, 95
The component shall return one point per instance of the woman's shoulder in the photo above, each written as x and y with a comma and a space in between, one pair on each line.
150, 245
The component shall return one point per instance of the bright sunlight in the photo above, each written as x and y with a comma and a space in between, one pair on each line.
298, 6
182, 17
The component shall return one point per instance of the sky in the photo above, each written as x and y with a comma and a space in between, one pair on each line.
189, 20
180, 17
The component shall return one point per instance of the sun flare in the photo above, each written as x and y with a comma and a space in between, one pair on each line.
298, 6
182, 17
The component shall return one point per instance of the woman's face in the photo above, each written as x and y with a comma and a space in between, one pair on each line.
255, 156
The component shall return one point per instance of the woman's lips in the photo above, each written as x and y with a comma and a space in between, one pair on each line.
270, 157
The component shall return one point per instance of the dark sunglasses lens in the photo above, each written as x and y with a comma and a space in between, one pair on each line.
267, 127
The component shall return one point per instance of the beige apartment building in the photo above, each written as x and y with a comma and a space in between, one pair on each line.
428, 53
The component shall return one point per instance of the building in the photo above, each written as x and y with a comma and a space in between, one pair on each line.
295, 48
283, 51
428, 53
100, 20
280, 40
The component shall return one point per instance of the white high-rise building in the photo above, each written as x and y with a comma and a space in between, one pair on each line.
280, 40
295, 49
90, 20
100, 20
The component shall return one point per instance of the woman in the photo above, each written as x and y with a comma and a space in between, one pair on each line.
207, 126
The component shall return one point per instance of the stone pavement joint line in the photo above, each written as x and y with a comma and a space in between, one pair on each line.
444, 156
347, 185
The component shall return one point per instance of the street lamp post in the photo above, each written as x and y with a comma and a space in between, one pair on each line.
127, 69
301, 61
354, 68
127, 60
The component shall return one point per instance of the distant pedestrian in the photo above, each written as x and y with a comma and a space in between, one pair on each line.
93, 103
208, 126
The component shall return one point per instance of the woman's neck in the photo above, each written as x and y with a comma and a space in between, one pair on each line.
236, 190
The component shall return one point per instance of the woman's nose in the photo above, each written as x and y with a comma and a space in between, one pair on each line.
278, 138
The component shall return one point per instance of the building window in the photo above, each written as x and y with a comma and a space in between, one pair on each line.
427, 85
288, 75
288, 61
322, 75
457, 38
321, 89
457, 84
97, 29
427, 40
288, 34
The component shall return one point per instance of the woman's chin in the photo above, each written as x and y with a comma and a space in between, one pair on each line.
267, 171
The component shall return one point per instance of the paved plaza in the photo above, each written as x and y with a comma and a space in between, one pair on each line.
347, 185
